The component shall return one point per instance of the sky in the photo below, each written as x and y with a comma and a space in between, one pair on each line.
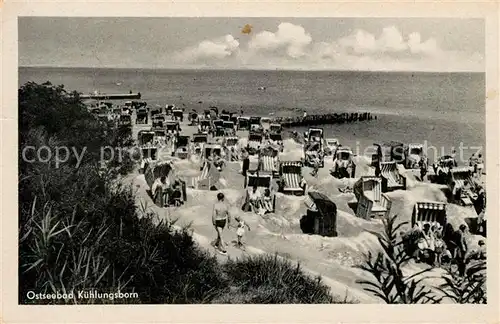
366, 44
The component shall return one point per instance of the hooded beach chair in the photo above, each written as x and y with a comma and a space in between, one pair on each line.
372, 203
461, 185
292, 181
391, 179
262, 182
269, 161
207, 179
321, 217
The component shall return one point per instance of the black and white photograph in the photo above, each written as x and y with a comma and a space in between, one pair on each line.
252, 160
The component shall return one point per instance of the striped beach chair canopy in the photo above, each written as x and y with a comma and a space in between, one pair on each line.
255, 137
366, 182
231, 140
432, 213
461, 176
292, 167
343, 153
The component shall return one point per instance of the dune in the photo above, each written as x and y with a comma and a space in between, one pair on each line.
332, 257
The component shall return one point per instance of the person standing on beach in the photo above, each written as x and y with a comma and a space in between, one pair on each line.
220, 218
423, 167
159, 190
460, 249
246, 162
479, 166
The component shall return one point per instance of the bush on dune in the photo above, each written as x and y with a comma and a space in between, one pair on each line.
267, 279
390, 284
80, 229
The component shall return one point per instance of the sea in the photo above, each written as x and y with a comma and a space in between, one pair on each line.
443, 111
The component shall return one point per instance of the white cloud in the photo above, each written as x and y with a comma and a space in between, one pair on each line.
217, 49
292, 38
292, 47
360, 42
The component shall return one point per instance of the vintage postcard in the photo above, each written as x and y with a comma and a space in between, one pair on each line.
259, 162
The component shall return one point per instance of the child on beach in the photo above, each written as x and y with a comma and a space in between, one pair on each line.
240, 231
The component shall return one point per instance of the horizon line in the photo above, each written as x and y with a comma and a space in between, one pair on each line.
237, 69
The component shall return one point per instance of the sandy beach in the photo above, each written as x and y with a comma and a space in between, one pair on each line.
279, 233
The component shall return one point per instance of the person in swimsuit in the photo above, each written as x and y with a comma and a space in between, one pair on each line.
220, 217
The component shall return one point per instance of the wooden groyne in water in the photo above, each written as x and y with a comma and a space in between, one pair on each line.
323, 119
117, 96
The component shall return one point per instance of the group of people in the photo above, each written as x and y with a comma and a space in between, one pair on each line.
221, 219
166, 193
260, 203
477, 163
436, 248
217, 160
431, 246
